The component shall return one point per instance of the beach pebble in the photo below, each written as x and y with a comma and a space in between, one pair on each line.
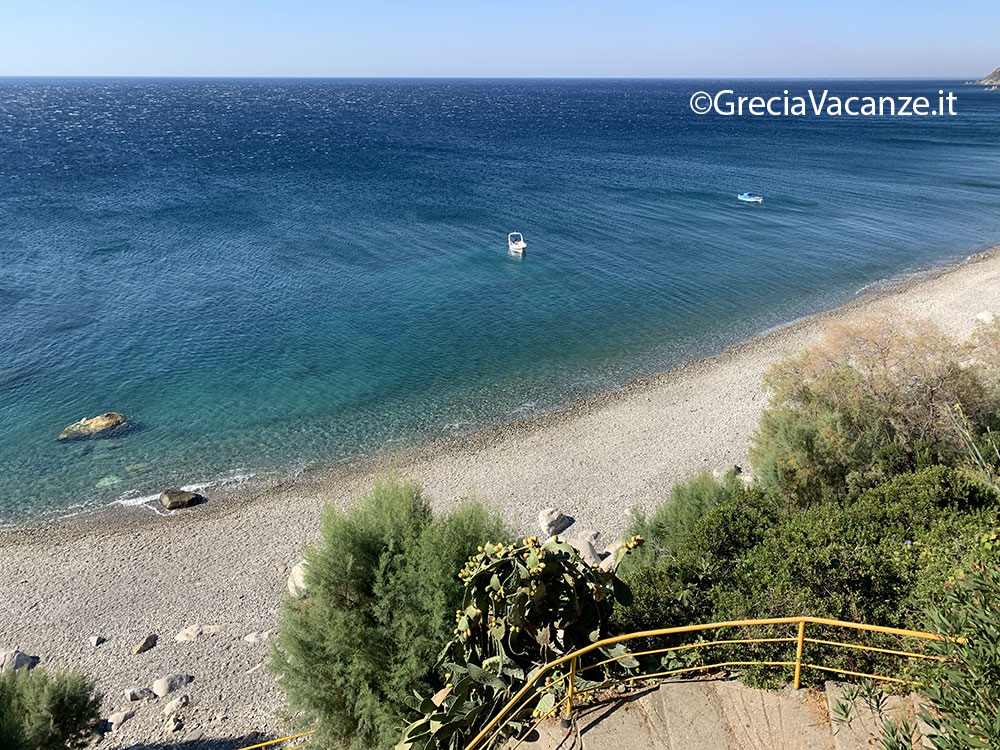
97, 640
170, 683
297, 579
145, 644
174, 724
176, 499
986, 317
134, 694
118, 718
194, 632
176, 704
259, 637
13, 660
552, 522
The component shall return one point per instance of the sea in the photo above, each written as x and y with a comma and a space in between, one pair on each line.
271, 275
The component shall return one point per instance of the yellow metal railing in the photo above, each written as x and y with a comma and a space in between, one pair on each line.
532, 690
529, 692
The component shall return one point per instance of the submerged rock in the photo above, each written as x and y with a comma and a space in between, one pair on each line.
176, 499
103, 425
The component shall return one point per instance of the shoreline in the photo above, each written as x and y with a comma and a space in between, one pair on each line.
226, 494
125, 573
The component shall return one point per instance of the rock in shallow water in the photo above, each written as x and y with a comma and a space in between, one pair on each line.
102, 425
176, 499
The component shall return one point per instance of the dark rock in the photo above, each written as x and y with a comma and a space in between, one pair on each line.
176, 499
13, 660
145, 644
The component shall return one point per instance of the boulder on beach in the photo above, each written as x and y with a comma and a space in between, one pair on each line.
145, 644
297, 579
103, 425
13, 660
170, 683
176, 499
552, 521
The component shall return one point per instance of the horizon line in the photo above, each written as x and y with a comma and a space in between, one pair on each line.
484, 77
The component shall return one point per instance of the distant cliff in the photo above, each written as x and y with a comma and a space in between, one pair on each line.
993, 79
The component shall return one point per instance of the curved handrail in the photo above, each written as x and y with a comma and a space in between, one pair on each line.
573, 656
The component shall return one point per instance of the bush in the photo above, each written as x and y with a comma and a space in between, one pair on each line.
876, 557
379, 592
872, 401
42, 710
687, 504
965, 692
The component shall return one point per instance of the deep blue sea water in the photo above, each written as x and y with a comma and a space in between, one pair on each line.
270, 274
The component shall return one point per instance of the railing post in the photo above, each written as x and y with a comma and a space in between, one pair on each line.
798, 652
571, 689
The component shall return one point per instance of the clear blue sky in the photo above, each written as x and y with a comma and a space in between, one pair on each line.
511, 38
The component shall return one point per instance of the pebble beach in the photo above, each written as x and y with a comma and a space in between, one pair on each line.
123, 574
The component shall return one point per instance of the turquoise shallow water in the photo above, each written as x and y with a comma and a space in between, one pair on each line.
269, 274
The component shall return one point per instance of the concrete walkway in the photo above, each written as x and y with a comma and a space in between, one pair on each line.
717, 715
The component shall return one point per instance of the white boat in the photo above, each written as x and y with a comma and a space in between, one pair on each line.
747, 198
516, 243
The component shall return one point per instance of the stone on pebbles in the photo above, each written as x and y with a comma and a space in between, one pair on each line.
177, 499
174, 724
145, 644
586, 550
194, 632
118, 718
986, 317
134, 694
552, 521
297, 579
13, 660
97, 640
170, 683
260, 636
176, 704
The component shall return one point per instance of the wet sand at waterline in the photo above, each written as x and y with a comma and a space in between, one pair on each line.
124, 573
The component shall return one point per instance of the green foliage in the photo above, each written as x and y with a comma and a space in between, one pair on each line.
965, 692
42, 710
878, 557
524, 607
378, 590
870, 402
687, 504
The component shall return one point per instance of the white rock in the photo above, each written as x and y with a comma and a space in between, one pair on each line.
13, 660
260, 636
97, 640
170, 683
552, 522
297, 579
134, 694
176, 704
986, 317
194, 632
118, 718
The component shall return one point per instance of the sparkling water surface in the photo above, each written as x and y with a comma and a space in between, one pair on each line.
269, 274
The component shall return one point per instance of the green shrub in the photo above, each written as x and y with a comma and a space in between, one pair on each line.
380, 590
965, 692
687, 504
872, 401
42, 710
876, 557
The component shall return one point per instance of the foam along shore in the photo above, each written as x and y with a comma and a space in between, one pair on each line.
128, 574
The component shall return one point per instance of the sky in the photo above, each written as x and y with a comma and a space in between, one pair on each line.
512, 38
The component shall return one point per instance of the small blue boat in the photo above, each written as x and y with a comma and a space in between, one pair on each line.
748, 198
